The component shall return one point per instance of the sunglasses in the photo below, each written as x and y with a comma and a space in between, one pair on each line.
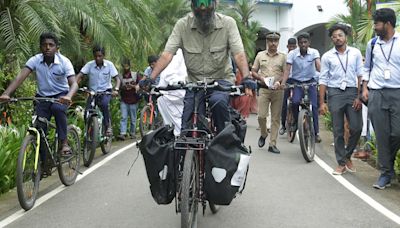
198, 3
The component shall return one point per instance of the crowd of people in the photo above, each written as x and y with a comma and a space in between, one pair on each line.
344, 82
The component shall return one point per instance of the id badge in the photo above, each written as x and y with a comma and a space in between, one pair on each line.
386, 74
343, 85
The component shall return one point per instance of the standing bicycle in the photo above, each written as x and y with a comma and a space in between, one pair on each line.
95, 130
40, 153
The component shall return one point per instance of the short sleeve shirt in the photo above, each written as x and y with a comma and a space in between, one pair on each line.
303, 67
206, 55
53, 79
270, 65
99, 77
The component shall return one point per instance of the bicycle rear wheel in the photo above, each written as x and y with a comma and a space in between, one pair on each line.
190, 188
68, 167
92, 131
27, 177
291, 132
306, 135
145, 125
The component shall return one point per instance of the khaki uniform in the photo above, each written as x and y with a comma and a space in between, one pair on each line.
206, 55
270, 66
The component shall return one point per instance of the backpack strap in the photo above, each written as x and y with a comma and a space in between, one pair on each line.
373, 42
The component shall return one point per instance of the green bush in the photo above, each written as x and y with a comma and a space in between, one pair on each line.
10, 142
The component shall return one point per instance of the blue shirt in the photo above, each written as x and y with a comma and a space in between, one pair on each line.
303, 67
53, 79
380, 64
147, 73
100, 77
335, 71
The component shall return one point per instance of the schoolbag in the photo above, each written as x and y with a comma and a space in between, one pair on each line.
373, 42
157, 148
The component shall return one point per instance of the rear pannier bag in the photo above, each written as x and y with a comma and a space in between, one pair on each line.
159, 159
226, 166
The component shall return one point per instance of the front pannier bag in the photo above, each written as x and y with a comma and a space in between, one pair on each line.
159, 159
226, 166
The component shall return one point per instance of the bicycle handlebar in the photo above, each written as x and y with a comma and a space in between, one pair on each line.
47, 99
234, 90
93, 93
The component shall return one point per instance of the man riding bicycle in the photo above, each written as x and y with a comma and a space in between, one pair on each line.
207, 38
304, 62
55, 77
100, 72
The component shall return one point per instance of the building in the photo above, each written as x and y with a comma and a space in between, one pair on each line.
291, 17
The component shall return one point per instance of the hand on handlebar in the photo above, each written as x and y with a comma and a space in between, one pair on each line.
66, 100
4, 97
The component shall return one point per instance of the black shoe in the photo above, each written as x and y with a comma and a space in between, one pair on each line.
121, 137
273, 149
261, 141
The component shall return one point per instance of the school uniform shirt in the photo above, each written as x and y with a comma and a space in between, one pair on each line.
53, 79
99, 76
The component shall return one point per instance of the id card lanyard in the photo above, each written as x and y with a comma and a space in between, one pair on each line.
386, 72
343, 85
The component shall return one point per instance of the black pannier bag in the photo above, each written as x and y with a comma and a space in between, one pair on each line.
226, 166
159, 159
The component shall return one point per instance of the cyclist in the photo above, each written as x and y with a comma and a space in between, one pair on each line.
55, 78
152, 60
100, 71
304, 62
206, 38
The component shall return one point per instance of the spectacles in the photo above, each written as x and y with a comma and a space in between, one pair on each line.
198, 3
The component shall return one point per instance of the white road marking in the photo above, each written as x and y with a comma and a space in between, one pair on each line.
61, 188
366, 198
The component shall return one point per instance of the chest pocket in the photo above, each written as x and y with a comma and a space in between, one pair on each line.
58, 73
193, 59
219, 55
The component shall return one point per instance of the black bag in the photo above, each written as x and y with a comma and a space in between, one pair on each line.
226, 166
239, 123
157, 149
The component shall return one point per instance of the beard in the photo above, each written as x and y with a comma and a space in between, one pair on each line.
205, 19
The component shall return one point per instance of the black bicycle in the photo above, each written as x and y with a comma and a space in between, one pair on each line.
304, 122
192, 143
95, 132
29, 164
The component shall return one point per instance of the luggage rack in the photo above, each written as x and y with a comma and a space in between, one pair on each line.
191, 143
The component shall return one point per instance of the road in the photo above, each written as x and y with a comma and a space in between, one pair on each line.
282, 190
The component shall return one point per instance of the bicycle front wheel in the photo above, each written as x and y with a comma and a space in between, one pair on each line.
291, 131
190, 189
68, 167
28, 177
306, 135
92, 131
145, 123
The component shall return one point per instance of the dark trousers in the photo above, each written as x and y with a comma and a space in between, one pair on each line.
103, 102
218, 102
298, 94
384, 111
59, 111
286, 95
340, 104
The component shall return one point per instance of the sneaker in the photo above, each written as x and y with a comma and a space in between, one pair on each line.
282, 130
339, 170
65, 150
261, 141
350, 167
382, 182
121, 137
109, 131
273, 149
317, 139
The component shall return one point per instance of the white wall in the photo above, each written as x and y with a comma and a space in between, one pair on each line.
304, 13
